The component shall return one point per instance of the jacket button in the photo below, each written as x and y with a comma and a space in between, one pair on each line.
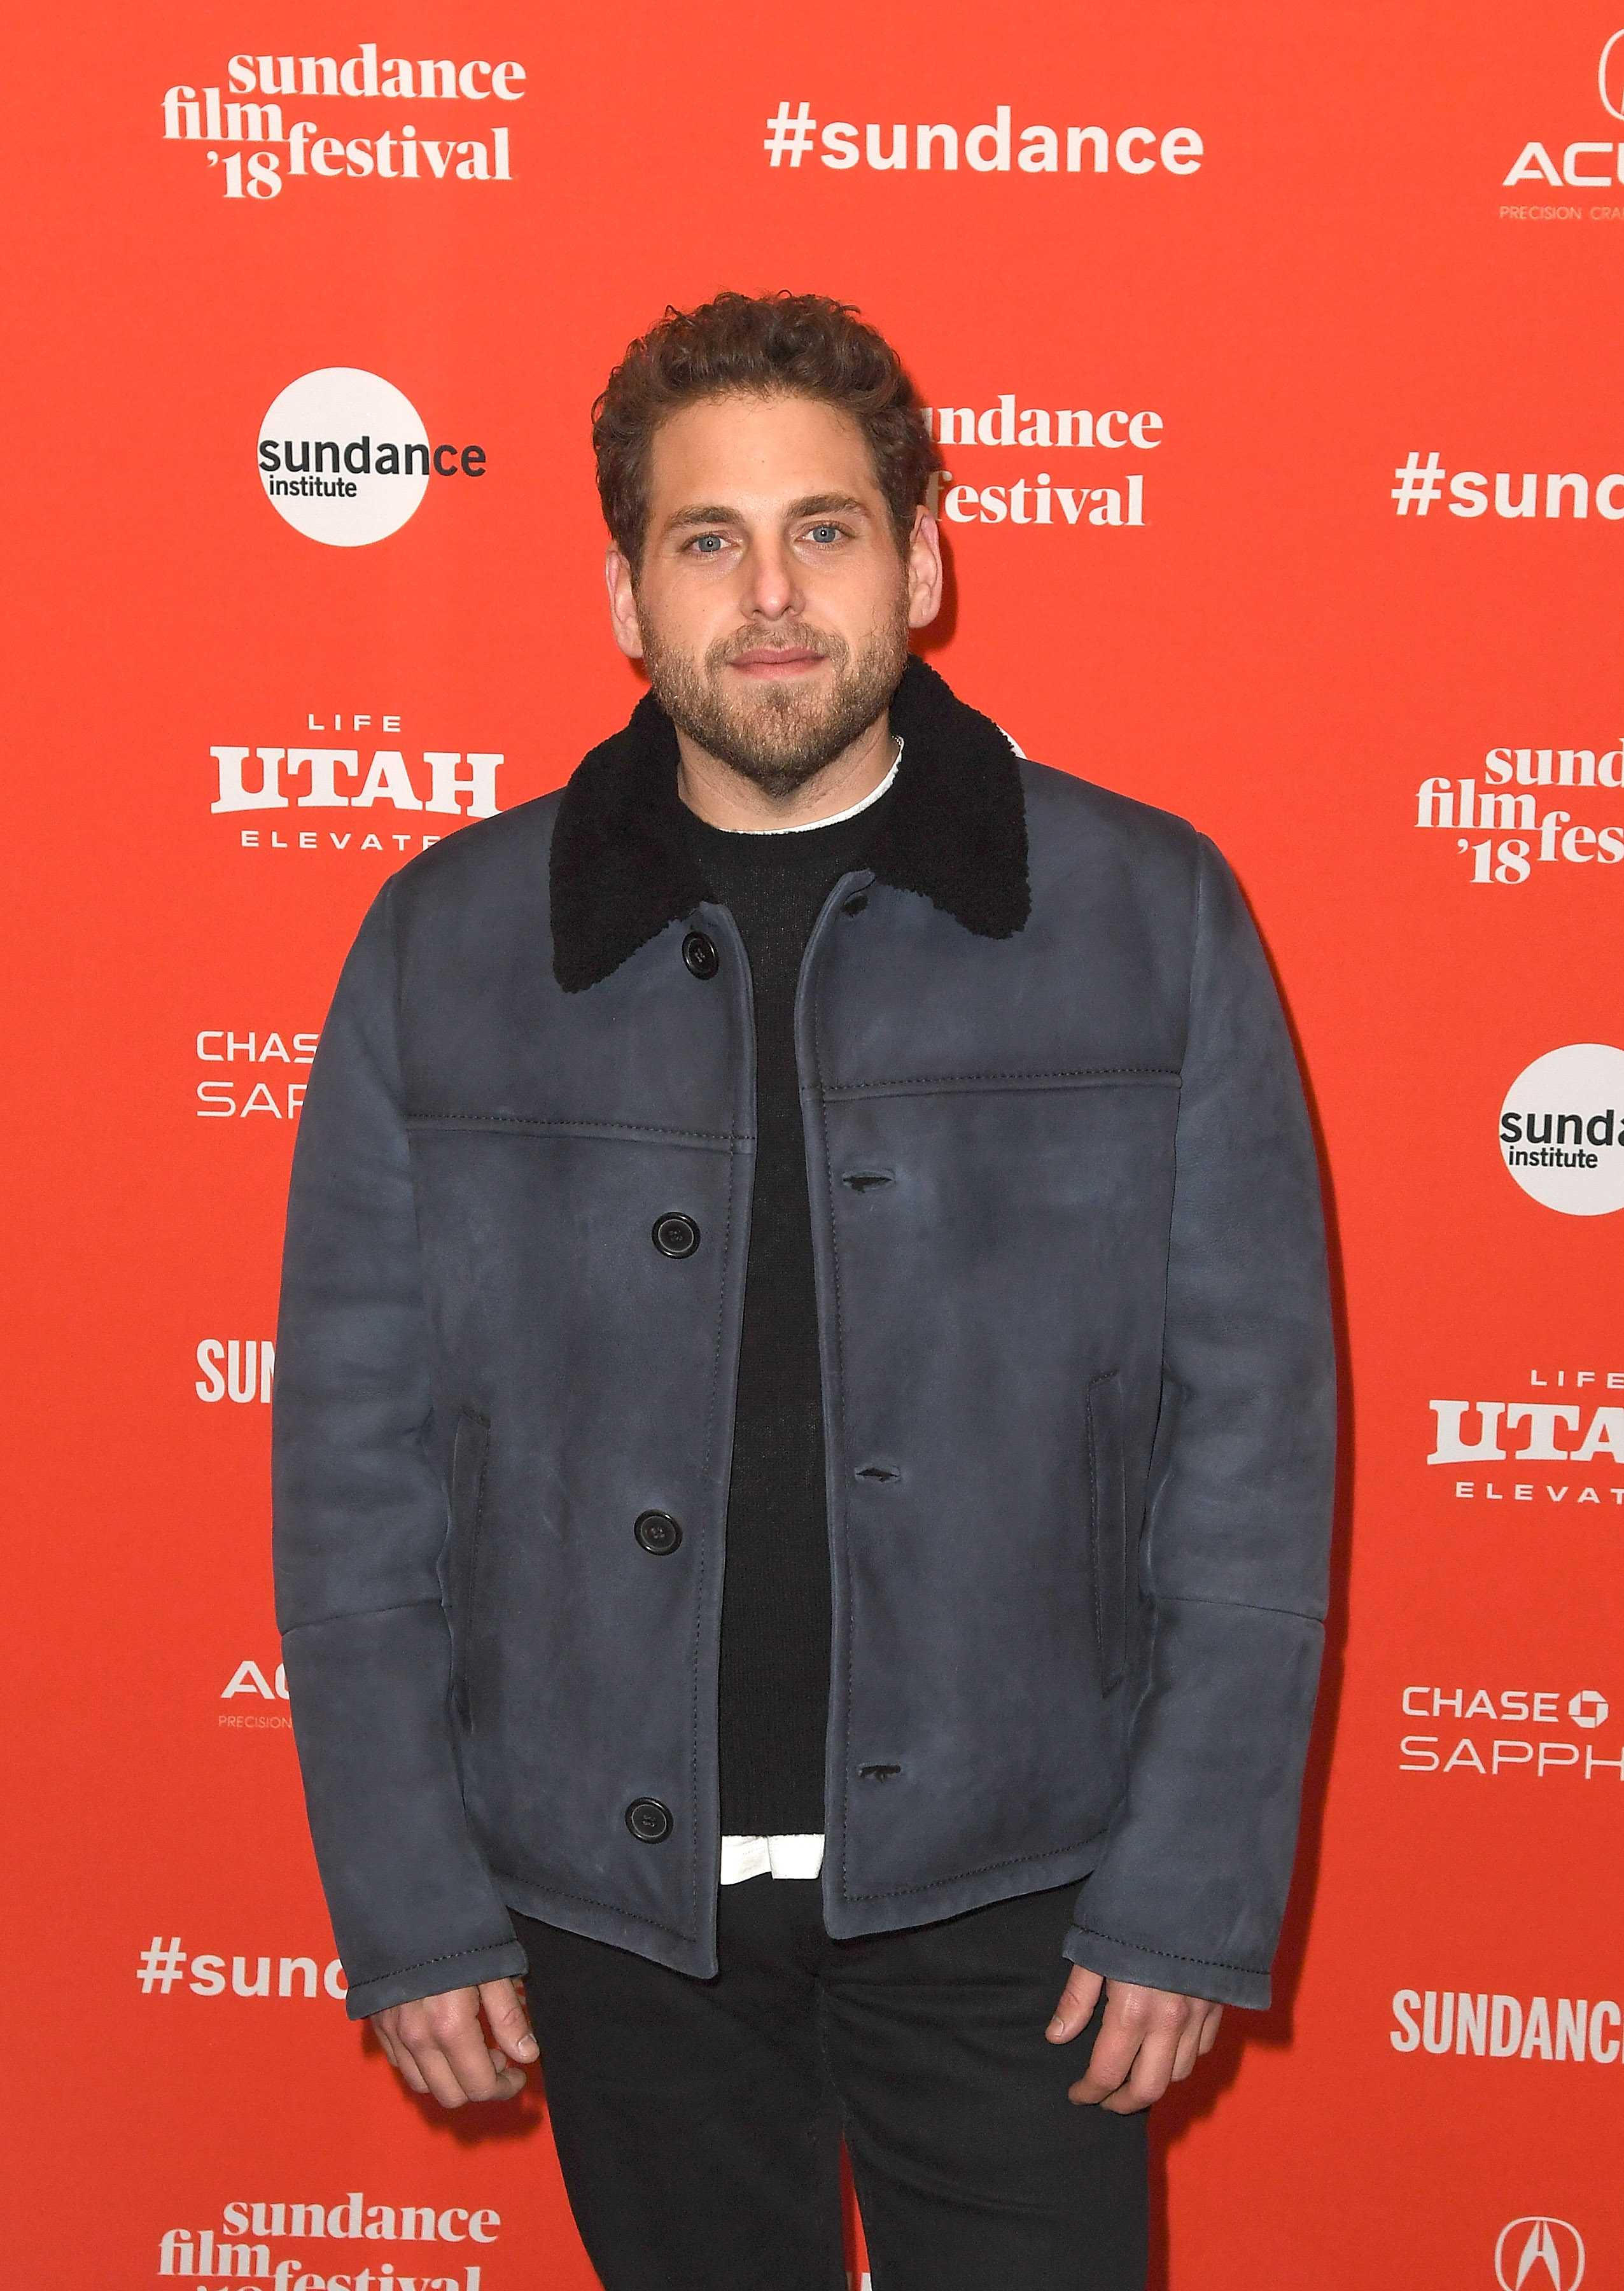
649, 1820
675, 1234
699, 955
658, 1532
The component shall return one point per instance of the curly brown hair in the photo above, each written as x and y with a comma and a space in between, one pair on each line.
759, 346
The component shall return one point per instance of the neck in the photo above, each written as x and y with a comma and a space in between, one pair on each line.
725, 798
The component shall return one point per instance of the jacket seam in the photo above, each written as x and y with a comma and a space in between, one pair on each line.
1177, 1955
981, 1870
461, 1672
451, 1956
1199, 907
1033, 1074
727, 1137
1241, 1606
361, 1614
587, 1900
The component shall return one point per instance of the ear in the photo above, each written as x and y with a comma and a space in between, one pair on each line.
924, 570
623, 604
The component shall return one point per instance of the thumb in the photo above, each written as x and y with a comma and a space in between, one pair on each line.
1077, 2002
509, 2023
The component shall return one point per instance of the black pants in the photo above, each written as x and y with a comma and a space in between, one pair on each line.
699, 2122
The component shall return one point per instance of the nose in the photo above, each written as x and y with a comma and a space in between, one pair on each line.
772, 587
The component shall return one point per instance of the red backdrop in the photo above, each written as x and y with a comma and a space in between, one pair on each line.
1350, 264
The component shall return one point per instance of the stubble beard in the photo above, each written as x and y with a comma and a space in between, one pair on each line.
778, 736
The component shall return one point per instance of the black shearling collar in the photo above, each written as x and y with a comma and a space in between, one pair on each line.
954, 832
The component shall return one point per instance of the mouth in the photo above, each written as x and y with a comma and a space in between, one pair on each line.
768, 663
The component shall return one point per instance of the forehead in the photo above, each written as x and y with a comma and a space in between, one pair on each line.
754, 452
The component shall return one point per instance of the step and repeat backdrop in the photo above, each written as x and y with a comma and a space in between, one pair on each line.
1272, 357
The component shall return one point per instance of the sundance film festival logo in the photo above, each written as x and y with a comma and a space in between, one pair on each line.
993, 147
402, 152
1543, 830
344, 457
1037, 497
1586, 165
1562, 1130
242, 2246
1549, 2254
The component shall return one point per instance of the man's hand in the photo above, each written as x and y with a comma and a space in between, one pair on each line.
1148, 2039
438, 2047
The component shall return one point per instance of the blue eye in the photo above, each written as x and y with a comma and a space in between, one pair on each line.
826, 533
707, 543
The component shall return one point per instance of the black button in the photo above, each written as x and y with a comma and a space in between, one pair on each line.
675, 1234
855, 903
649, 1820
658, 1532
700, 954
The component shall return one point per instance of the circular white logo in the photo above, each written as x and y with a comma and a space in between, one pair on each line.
1610, 75
1589, 1709
344, 456
1551, 2255
1562, 1130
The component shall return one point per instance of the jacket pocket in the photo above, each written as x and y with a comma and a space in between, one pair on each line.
1108, 1510
470, 1453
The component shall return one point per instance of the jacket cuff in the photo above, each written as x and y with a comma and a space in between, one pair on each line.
1155, 1968
465, 1968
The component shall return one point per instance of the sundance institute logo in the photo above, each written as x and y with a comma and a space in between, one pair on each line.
1562, 1130
344, 457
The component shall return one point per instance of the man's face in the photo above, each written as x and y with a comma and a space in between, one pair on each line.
772, 607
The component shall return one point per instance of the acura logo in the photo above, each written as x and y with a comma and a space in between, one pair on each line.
1610, 75
1546, 2251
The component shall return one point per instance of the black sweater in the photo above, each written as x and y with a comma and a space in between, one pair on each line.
776, 1615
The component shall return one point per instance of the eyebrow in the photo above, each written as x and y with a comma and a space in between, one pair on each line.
810, 505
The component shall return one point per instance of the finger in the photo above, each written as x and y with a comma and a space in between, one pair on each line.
398, 2055
1210, 2026
440, 2078
1188, 2050
1075, 2008
509, 2023
1153, 2072
468, 2057
1114, 2050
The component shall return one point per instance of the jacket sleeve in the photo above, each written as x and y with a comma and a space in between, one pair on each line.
360, 1517
1191, 1888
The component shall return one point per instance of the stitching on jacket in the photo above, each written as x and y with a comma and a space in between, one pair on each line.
1198, 905
590, 1902
452, 1957
1035, 1073
1243, 1607
461, 1672
1178, 1955
932, 1884
840, 1378
813, 1098
1091, 1441
699, 1586
362, 1614
717, 1138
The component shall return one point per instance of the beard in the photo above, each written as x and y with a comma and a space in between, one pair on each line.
775, 735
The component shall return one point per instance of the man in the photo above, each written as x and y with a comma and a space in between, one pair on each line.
805, 1409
